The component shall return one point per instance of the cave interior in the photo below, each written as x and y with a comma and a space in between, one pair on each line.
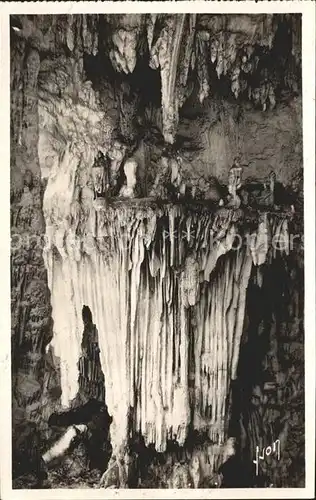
157, 267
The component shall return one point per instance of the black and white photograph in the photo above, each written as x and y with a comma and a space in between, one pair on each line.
158, 249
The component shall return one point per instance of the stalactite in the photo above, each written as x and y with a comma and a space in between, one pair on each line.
90, 33
186, 50
151, 21
202, 70
172, 46
140, 289
126, 30
177, 44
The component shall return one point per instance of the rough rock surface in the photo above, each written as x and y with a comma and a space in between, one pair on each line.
265, 141
272, 403
31, 309
35, 382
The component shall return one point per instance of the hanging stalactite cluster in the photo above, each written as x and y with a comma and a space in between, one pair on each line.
186, 49
149, 274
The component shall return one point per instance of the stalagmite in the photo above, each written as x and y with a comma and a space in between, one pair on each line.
130, 168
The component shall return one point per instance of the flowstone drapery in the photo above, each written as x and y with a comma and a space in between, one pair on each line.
166, 285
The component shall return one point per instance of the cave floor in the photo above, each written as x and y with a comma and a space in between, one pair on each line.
62, 478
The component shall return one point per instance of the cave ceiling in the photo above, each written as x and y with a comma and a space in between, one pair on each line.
254, 58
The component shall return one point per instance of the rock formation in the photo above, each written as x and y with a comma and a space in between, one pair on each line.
142, 241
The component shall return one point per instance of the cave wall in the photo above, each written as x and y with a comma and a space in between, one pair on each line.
271, 368
212, 134
265, 140
35, 381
